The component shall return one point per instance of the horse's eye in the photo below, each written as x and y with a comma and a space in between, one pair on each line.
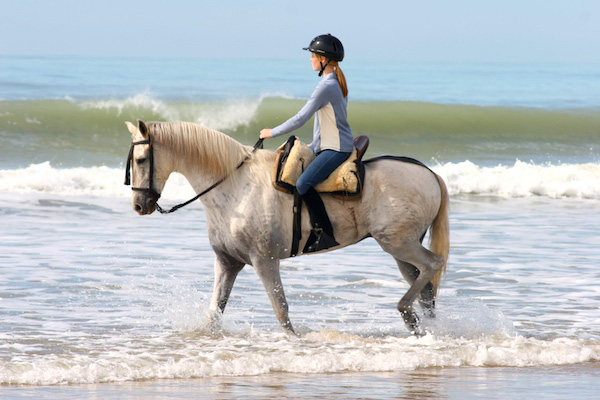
140, 160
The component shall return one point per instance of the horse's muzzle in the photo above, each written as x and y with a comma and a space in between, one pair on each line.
144, 206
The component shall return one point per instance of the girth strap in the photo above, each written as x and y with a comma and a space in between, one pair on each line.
297, 224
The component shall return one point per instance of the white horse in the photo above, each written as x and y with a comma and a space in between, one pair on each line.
249, 222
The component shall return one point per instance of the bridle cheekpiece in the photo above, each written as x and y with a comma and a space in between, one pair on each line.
150, 191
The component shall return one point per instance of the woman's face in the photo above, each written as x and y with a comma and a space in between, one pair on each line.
315, 60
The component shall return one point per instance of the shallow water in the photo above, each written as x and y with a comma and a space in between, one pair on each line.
92, 293
97, 302
580, 381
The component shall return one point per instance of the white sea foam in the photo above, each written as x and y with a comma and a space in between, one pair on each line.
321, 352
93, 181
224, 115
141, 101
576, 181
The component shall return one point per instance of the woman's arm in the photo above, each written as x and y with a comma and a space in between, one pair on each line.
314, 103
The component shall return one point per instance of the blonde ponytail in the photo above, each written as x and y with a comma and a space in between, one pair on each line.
340, 77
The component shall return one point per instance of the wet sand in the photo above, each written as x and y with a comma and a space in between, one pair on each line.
580, 381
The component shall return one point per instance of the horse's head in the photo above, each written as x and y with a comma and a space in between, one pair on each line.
146, 182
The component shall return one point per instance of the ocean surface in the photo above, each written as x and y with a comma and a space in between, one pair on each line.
98, 302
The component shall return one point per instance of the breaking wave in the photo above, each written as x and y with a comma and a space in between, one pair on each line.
235, 116
327, 351
571, 181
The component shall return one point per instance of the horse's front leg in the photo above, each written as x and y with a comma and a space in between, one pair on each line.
226, 270
268, 271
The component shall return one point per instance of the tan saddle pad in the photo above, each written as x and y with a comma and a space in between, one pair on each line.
294, 156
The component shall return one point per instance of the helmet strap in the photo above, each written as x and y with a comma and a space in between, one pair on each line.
323, 67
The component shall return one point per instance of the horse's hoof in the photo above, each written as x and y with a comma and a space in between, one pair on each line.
429, 313
419, 332
412, 322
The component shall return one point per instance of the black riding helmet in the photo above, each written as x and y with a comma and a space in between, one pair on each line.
328, 46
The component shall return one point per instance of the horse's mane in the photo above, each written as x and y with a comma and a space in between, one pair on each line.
214, 152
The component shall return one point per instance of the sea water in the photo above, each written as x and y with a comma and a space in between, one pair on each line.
96, 301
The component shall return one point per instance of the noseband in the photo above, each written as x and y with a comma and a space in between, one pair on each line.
152, 193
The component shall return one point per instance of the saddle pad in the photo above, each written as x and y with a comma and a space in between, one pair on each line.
294, 156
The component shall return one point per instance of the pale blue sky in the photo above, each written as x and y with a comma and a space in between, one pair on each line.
442, 30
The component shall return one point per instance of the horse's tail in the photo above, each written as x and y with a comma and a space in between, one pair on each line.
439, 234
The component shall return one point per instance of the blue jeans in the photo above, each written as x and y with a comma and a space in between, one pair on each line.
320, 168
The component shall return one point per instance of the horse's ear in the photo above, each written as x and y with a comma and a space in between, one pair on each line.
142, 128
132, 128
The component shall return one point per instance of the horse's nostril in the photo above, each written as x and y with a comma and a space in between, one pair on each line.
137, 208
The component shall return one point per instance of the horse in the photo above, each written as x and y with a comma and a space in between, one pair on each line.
249, 222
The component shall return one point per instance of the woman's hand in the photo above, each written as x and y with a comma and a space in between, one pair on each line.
265, 133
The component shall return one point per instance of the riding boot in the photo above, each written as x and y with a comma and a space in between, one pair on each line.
321, 234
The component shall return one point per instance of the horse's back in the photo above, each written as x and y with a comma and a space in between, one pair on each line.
410, 178
401, 191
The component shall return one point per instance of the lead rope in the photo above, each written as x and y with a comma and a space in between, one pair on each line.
258, 145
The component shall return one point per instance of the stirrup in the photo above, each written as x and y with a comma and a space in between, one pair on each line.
319, 240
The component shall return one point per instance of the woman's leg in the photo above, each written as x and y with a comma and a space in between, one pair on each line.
320, 168
321, 236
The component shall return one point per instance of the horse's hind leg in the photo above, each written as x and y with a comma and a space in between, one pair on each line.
428, 264
427, 296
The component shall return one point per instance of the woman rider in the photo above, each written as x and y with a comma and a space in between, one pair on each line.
332, 138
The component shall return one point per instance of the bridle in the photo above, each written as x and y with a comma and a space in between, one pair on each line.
150, 189
152, 193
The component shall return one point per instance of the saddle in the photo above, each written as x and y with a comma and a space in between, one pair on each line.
294, 156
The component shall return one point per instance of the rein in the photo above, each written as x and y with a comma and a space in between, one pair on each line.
150, 189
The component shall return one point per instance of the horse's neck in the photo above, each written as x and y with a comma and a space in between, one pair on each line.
218, 158
248, 184
205, 156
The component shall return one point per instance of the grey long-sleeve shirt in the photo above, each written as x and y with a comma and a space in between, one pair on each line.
331, 130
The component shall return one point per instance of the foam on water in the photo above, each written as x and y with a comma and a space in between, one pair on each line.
91, 132
95, 181
575, 181
98, 294
579, 181
328, 351
90, 292
465, 333
219, 115
412, 122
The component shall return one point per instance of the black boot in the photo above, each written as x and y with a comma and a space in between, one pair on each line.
321, 234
